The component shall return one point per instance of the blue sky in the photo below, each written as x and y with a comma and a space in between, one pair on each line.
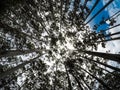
113, 46
97, 19
106, 13
114, 7
109, 11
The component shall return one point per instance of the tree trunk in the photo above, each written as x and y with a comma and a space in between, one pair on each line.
112, 39
51, 8
67, 2
38, 19
69, 81
113, 57
99, 80
4, 84
113, 15
97, 1
99, 11
77, 80
108, 71
17, 52
110, 28
12, 70
83, 80
86, 84
7, 28
114, 68
109, 35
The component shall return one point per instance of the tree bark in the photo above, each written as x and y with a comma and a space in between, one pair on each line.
83, 80
79, 83
108, 71
111, 67
69, 82
86, 84
112, 39
112, 34
113, 15
17, 52
15, 31
67, 5
99, 80
12, 70
110, 28
97, 1
113, 57
4, 84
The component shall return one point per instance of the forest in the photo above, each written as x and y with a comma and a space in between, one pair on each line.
52, 45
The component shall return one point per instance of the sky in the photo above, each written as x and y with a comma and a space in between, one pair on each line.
98, 18
109, 11
112, 46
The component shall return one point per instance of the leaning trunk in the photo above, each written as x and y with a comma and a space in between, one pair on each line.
77, 80
69, 82
111, 67
17, 52
96, 3
12, 70
113, 57
99, 11
99, 80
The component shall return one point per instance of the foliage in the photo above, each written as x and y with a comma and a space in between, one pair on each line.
36, 37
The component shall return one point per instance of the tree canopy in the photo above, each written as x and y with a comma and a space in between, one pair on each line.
49, 45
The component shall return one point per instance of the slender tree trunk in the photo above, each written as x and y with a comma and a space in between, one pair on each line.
110, 28
113, 15
113, 57
4, 84
61, 13
109, 35
110, 18
7, 28
12, 70
99, 11
17, 52
86, 84
111, 67
105, 65
67, 2
112, 39
108, 71
38, 19
69, 81
108, 66
99, 80
54, 85
83, 80
77, 80
96, 3
51, 8
43, 25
